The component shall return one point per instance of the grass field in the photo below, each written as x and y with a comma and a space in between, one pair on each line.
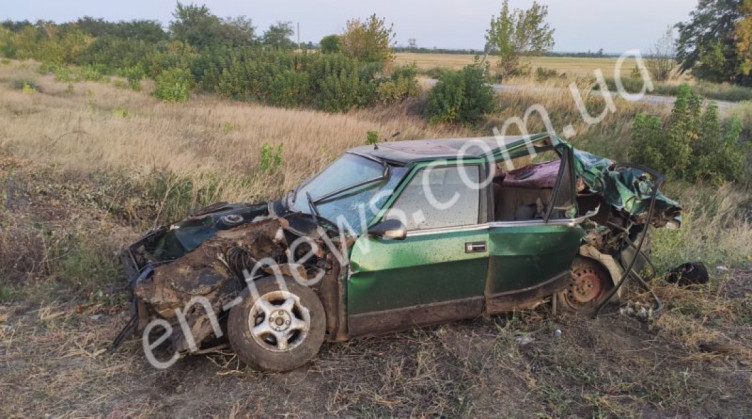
86, 167
572, 66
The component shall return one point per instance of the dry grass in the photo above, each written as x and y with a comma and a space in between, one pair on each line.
78, 169
83, 127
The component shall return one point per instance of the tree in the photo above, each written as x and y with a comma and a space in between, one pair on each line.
330, 44
712, 43
197, 26
278, 36
370, 41
661, 63
744, 38
516, 33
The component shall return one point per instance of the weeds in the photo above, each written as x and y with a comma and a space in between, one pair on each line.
372, 137
271, 158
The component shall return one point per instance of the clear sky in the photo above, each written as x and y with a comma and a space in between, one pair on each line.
581, 25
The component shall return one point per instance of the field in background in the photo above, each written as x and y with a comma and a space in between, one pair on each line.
86, 167
572, 66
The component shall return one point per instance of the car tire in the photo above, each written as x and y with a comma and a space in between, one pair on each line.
589, 284
277, 327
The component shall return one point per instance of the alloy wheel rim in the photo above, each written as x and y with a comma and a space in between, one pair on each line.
278, 321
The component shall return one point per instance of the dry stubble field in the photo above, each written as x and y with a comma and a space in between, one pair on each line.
572, 66
85, 168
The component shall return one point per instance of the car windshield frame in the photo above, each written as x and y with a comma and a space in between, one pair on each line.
379, 183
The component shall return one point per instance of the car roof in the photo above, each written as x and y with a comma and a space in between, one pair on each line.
414, 151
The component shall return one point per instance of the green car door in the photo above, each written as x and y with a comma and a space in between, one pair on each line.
531, 259
438, 272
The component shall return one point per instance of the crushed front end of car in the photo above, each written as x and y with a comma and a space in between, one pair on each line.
628, 203
180, 273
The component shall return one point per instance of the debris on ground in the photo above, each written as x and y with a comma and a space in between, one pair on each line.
690, 273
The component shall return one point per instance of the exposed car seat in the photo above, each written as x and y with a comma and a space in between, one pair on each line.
519, 204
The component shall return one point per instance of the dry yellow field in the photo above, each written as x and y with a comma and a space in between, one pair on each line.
579, 66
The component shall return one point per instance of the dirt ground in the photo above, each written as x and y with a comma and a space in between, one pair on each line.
53, 363
57, 320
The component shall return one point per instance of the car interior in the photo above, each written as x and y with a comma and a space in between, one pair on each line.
524, 193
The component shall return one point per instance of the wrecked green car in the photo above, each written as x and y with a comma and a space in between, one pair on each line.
392, 236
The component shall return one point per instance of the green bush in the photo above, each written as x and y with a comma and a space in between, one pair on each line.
173, 85
460, 96
402, 84
337, 84
692, 144
134, 75
288, 88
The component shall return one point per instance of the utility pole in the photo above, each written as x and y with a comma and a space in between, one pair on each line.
299, 37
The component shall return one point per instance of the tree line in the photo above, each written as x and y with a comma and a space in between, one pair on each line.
201, 51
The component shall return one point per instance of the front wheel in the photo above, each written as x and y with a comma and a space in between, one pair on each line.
279, 327
589, 285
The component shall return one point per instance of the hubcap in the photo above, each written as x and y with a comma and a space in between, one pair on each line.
278, 321
586, 286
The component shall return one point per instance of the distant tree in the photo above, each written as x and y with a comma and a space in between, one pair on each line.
16, 26
744, 38
661, 63
516, 33
713, 43
368, 41
330, 44
142, 30
278, 36
197, 26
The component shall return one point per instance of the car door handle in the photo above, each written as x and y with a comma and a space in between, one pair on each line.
475, 247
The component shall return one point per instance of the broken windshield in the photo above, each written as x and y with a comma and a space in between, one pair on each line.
359, 199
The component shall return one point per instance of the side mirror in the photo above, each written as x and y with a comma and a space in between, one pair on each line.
389, 229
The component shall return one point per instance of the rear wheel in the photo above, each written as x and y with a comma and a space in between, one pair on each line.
589, 285
279, 330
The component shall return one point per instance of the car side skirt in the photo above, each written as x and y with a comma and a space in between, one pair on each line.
528, 297
467, 308
420, 315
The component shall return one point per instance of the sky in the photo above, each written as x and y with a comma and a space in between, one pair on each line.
581, 25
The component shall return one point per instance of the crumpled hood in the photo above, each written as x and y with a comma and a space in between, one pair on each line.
626, 189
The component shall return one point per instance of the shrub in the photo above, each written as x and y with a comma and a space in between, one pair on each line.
134, 75
460, 96
173, 85
288, 88
401, 85
337, 85
691, 144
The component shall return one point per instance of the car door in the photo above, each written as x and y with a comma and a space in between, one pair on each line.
438, 272
531, 259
